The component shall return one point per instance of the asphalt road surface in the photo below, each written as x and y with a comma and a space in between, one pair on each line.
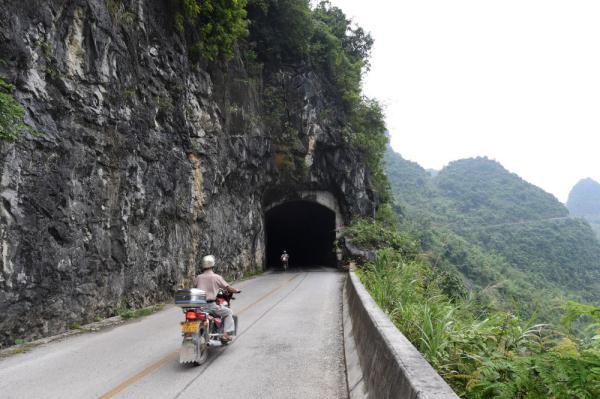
289, 345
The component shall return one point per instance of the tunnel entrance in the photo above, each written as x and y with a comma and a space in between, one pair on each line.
306, 230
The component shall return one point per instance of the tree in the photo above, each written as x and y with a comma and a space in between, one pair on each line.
214, 25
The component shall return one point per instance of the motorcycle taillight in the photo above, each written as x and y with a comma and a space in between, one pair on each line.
191, 315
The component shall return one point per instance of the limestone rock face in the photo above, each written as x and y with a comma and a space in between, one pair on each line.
144, 162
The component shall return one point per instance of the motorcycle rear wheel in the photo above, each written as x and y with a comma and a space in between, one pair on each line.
202, 351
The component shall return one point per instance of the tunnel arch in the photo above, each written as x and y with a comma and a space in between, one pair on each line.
304, 223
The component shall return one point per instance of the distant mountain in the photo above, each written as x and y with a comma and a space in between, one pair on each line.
406, 177
483, 191
471, 191
584, 201
499, 230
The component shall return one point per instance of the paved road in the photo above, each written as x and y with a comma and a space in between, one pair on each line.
289, 346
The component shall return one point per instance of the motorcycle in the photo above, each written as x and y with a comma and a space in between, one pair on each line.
284, 262
201, 328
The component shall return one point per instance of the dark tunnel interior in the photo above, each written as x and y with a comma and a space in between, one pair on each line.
306, 230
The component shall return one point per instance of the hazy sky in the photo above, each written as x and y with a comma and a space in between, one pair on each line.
515, 80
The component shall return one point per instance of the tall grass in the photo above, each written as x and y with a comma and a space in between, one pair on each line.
486, 354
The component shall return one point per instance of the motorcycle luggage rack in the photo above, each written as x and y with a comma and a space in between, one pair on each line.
190, 298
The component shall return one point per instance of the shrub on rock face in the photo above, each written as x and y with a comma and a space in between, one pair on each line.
369, 135
11, 113
215, 25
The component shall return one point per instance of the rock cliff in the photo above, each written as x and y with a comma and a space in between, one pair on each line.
143, 161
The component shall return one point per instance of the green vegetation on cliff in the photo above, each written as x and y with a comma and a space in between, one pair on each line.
11, 113
214, 26
289, 32
283, 33
368, 134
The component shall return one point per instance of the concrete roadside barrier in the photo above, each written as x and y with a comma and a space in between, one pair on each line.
391, 366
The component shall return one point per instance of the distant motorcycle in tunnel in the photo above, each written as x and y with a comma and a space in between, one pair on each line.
305, 230
285, 260
200, 327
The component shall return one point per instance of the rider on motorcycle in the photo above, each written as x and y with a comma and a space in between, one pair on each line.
210, 282
284, 259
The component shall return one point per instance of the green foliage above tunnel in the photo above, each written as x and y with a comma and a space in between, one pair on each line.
215, 26
276, 34
289, 32
368, 133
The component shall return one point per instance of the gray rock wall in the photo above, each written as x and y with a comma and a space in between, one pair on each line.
144, 162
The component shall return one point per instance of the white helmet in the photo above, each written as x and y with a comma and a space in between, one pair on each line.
208, 262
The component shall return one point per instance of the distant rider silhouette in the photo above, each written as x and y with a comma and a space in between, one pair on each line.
284, 260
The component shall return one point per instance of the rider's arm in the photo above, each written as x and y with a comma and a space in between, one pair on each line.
225, 285
232, 290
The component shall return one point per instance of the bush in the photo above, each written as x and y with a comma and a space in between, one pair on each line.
369, 135
374, 235
486, 354
214, 25
281, 30
11, 114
